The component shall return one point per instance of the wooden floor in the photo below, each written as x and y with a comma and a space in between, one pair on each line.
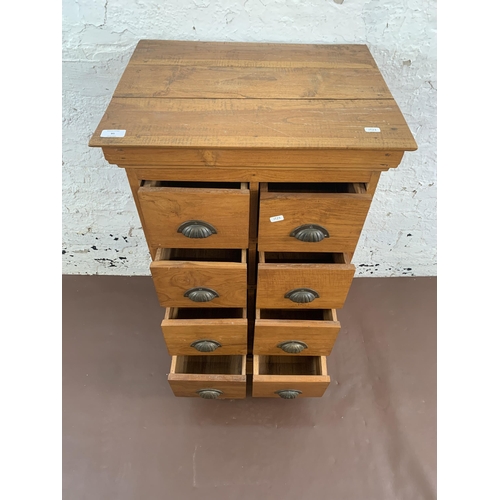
126, 437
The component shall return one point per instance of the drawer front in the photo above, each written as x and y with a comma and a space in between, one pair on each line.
295, 337
197, 332
269, 386
216, 377
198, 386
200, 277
326, 284
309, 384
318, 222
195, 218
181, 284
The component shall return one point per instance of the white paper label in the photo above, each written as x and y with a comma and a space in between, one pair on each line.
113, 133
276, 218
372, 129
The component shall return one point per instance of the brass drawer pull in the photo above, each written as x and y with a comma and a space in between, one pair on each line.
206, 345
209, 393
201, 294
288, 393
196, 229
292, 346
311, 233
302, 295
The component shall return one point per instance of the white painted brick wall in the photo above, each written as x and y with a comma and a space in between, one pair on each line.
101, 230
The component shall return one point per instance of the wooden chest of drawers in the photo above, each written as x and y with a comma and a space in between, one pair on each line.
253, 167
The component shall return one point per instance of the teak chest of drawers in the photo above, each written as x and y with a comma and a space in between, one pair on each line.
252, 167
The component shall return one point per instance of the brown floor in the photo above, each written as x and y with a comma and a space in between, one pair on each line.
125, 436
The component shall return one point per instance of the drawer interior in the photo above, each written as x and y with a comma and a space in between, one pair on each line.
303, 258
209, 365
195, 184
211, 313
298, 314
288, 365
201, 254
316, 187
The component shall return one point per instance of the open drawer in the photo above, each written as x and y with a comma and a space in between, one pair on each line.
208, 377
313, 217
289, 377
187, 277
195, 214
208, 331
290, 280
295, 332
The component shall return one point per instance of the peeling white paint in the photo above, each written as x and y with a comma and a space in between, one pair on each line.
101, 230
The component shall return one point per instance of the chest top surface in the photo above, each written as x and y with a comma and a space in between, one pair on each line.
177, 94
